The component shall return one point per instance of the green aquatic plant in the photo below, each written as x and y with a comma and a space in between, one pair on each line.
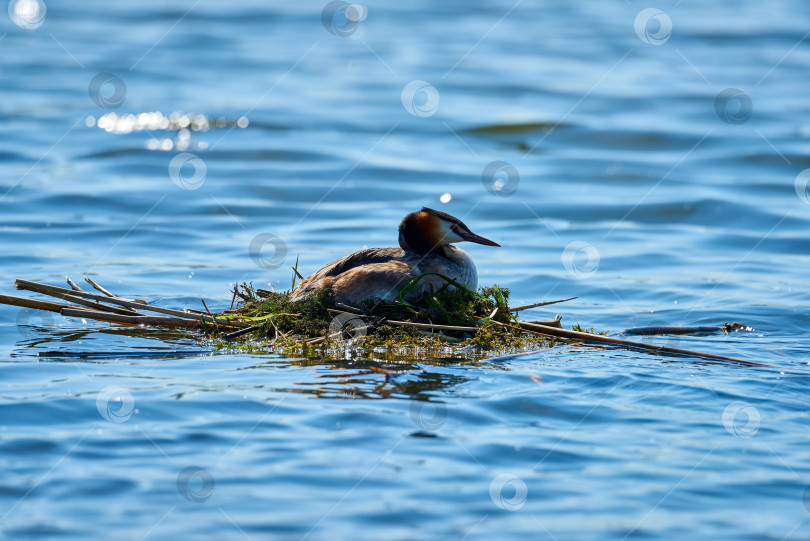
580, 328
451, 319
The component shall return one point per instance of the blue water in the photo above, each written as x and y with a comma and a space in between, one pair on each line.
628, 175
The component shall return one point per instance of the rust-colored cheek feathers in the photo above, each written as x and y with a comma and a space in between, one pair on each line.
420, 232
430, 227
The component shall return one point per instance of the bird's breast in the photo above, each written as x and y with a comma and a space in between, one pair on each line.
453, 263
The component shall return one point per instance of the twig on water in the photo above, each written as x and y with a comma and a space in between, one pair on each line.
677, 329
59, 291
24, 302
543, 330
73, 296
161, 321
235, 291
537, 304
555, 323
73, 285
98, 287
240, 332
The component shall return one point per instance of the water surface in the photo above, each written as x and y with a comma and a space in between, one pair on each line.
629, 176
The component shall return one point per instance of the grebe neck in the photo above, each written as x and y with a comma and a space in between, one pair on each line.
413, 238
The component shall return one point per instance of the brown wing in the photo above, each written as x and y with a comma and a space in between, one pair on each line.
325, 278
363, 257
380, 280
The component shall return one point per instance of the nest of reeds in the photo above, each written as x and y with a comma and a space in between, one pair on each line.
452, 320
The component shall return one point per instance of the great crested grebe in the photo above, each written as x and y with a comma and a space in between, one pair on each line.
425, 239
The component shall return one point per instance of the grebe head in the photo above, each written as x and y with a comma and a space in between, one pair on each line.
427, 230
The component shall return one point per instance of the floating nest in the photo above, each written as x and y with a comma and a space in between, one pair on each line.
453, 322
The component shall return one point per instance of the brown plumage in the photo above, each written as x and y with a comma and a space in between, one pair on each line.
424, 239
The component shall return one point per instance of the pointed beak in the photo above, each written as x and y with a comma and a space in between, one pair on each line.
472, 237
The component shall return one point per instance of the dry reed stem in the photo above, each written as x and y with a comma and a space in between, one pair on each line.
57, 291
98, 287
73, 285
132, 320
24, 302
537, 304
544, 330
